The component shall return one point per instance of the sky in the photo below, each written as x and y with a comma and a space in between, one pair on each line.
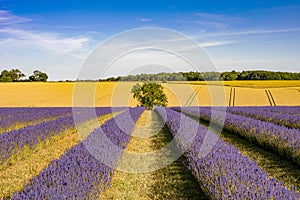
57, 36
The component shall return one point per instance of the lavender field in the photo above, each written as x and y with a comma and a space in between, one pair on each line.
256, 155
149, 100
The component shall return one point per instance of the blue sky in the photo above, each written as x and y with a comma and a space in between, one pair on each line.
57, 36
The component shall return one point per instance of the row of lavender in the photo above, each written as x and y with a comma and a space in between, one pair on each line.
12, 116
279, 139
281, 115
8, 112
223, 172
293, 110
15, 140
78, 174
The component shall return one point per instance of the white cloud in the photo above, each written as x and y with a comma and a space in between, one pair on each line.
216, 43
211, 24
220, 17
7, 18
249, 32
43, 40
12, 36
246, 61
145, 19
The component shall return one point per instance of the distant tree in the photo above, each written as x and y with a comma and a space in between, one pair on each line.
16, 74
38, 76
5, 76
229, 76
113, 79
209, 76
12, 75
150, 94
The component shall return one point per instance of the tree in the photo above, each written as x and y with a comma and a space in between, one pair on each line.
16, 74
12, 75
149, 94
38, 76
5, 76
229, 76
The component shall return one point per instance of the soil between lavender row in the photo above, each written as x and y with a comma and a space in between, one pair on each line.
275, 166
171, 182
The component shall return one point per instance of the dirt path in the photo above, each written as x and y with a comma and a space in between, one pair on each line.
171, 182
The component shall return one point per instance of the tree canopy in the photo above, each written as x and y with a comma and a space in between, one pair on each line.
38, 76
11, 76
150, 94
15, 75
210, 76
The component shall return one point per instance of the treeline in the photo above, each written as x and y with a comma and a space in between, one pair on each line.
15, 75
209, 76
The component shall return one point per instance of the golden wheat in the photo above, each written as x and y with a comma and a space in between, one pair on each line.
196, 93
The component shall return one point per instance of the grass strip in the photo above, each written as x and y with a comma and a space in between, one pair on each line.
274, 165
171, 182
18, 126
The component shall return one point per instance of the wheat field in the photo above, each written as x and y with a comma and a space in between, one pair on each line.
214, 93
